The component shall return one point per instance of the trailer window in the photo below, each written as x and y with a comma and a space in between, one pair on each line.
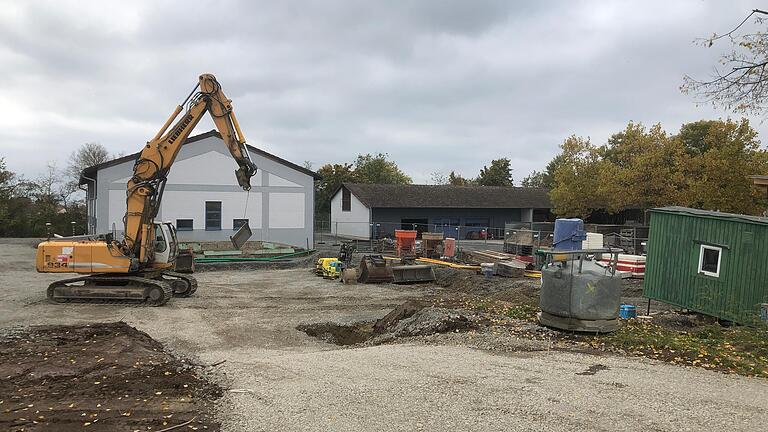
709, 260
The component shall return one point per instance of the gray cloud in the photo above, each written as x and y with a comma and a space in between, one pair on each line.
439, 85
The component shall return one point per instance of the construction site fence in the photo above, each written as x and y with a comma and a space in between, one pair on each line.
514, 237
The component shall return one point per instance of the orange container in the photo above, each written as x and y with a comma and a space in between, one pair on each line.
406, 242
449, 247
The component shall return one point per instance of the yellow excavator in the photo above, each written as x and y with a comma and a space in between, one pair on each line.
140, 266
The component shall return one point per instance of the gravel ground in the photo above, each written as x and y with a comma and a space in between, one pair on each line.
284, 379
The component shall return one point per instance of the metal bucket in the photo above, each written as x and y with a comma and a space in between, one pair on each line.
241, 236
374, 269
413, 273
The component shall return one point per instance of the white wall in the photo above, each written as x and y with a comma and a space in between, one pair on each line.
354, 223
280, 203
191, 205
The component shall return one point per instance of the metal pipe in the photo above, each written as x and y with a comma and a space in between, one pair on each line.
168, 122
241, 137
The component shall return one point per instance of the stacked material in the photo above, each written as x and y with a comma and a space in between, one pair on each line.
593, 241
634, 264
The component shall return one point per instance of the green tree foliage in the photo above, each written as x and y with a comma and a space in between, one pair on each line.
720, 175
26, 206
577, 179
457, 180
378, 169
643, 168
498, 174
546, 178
706, 165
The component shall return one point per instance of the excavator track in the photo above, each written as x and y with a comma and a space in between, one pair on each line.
184, 285
111, 289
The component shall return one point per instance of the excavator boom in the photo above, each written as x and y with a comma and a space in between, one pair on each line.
145, 188
133, 268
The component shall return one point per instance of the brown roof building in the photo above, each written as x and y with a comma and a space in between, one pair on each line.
365, 210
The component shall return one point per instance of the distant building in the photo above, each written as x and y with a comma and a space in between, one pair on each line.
204, 201
376, 210
709, 262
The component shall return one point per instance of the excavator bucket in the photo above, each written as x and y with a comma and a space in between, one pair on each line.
374, 269
403, 274
241, 236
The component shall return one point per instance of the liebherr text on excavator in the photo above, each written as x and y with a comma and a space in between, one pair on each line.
140, 266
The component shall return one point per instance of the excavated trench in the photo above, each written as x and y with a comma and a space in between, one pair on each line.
339, 334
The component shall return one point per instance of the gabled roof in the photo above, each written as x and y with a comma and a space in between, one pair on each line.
90, 172
711, 214
447, 196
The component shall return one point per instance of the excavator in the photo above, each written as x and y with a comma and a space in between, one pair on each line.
140, 266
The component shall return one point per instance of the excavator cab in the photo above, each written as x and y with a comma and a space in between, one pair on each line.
166, 245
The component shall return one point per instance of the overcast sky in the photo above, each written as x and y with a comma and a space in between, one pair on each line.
439, 85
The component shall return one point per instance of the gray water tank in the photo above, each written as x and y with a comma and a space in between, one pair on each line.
586, 300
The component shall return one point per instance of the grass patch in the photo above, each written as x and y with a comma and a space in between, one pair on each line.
741, 350
523, 312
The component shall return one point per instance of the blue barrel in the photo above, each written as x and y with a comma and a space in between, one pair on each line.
569, 233
627, 311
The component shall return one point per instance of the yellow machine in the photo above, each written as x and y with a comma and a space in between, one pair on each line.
329, 268
139, 267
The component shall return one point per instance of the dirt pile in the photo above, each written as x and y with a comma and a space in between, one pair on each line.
103, 377
514, 290
432, 320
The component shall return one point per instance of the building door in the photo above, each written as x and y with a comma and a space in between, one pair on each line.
213, 215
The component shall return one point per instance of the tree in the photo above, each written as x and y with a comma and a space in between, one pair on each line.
741, 83
378, 169
643, 168
720, 175
89, 154
536, 179
438, 178
577, 190
498, 174
6, 188
457, 180
546, 178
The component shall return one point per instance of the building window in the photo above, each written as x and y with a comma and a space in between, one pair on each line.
346, 200
184, 224
709, 260
212, 215
237, 223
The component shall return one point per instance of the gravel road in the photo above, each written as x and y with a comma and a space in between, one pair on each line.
286, 380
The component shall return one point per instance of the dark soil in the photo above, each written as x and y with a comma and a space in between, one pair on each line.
102, 377
339, 334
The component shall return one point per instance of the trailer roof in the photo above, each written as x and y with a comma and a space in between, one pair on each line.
712, 214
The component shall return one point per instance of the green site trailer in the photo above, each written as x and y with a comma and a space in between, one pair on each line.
709, 262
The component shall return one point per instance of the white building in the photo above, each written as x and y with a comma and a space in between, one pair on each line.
204, 201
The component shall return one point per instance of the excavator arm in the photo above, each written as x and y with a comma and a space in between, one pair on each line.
145, 188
